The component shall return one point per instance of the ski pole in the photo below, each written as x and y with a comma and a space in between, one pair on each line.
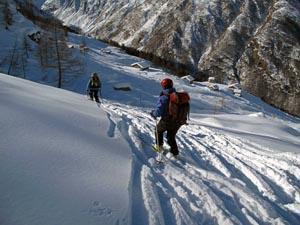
100, 92
157, 144
87, 94
156, 133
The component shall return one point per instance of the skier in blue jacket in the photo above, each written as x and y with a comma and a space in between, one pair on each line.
165, 123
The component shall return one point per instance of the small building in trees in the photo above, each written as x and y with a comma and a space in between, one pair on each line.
141, 65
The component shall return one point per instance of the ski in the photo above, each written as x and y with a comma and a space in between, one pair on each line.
163, 156
154, 148
159, 161
98, 104
159, 157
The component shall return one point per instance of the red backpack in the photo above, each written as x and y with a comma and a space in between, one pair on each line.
179, 107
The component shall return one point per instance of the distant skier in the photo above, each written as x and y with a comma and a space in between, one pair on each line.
93, 87
165, 123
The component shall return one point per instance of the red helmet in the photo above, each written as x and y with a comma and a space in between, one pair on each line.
166, 83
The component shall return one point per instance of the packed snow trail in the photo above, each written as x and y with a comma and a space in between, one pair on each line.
219, 178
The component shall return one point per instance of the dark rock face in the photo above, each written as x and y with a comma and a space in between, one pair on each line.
256, 42
270, 65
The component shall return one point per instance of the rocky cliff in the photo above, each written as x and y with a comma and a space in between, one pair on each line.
256, 42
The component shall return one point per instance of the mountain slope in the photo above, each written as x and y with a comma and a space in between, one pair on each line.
63, 158
246, 40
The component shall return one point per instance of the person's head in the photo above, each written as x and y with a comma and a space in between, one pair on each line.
94, 75
166, 83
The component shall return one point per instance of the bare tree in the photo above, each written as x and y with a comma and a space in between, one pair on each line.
6, 14
17, 56
55, 53
26, 46
13, 60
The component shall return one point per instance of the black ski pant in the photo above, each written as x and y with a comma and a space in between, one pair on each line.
94, 95
171, 127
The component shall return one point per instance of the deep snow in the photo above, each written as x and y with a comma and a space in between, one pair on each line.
51, 169
66, 160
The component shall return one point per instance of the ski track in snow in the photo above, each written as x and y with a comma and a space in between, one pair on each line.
239, 182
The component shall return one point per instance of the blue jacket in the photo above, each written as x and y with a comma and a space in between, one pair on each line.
162, 105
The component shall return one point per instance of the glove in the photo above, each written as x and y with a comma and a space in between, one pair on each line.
151, 114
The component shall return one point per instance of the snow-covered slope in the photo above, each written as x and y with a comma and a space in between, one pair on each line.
58, 158
64, 160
